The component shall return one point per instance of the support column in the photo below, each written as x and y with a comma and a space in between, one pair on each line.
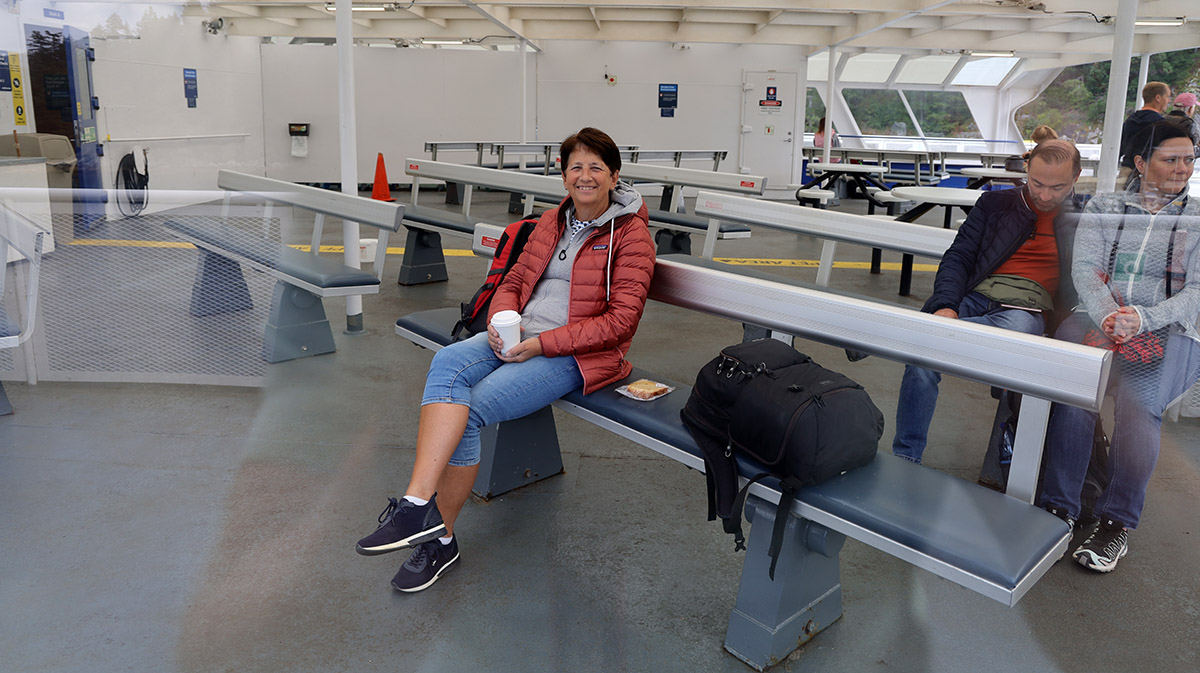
830, 95
348, 137
1143, 77
1118, 80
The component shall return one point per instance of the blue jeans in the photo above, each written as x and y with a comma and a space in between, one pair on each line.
1141, 394
470, 374
919, 387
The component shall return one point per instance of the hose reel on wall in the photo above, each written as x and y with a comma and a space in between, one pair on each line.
132, 184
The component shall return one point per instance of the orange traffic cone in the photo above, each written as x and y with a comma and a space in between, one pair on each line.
380, 191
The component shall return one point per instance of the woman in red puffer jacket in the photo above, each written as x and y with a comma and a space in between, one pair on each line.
580, 286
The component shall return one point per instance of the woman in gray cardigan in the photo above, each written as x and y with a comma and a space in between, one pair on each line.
1137, 271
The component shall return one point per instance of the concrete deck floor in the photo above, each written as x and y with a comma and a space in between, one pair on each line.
203, 528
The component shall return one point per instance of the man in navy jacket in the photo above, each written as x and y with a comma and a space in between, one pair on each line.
1005, 268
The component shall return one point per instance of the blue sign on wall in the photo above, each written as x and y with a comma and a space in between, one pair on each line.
5, 76
53, 14
668, 95
190, 87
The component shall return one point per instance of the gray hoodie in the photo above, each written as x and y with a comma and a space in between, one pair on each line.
1139, 267
549, 304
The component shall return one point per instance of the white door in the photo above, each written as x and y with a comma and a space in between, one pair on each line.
768, 118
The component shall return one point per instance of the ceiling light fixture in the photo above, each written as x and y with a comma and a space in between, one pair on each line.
1178, 21
429, 41
360, 8
993, 54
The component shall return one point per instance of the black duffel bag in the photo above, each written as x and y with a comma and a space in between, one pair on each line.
804, 423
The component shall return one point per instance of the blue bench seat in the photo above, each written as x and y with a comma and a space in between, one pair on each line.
312, 269
296, 323
983, 539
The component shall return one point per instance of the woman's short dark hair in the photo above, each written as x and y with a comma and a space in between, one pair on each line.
597, 142
1154, 135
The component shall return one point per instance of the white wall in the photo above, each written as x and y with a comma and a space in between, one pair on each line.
405, 97
140, 86
572, 92
421, 94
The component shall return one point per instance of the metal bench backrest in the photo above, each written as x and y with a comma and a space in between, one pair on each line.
378, 214
512, 181
385, 216
690, 177
1043, 369
20, 239
914, 239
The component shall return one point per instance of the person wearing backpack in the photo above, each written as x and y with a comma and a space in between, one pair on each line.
580, 285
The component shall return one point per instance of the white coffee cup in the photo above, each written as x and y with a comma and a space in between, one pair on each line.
508, 324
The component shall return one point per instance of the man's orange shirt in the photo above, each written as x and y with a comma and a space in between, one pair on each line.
1037, 258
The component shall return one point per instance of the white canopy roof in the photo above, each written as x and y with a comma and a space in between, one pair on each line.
1044, 33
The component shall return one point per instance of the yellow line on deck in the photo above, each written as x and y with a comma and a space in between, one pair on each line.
455, 252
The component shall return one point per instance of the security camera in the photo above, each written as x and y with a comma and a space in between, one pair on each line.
214, 26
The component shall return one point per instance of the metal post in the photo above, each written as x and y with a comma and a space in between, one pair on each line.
1114, 112
348, 136
830, 93
797, 174
524, 94
1143, 76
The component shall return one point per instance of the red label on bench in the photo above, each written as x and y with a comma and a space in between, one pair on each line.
712, 206
414, 167
748, 183
489, 242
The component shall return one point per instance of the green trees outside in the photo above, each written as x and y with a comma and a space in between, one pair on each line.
1074, 103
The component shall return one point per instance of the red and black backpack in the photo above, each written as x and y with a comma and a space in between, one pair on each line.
508, 249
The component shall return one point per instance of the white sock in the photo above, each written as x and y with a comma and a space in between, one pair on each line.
446, 540
416, 501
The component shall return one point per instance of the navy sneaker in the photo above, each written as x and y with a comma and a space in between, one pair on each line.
1061, 513
425, 566
401, 525
1104, 547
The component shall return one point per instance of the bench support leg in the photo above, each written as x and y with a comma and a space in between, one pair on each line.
517, 453
297, 326
773, 618
423, 261
453, 193
906, 272
5, 405
220, 286
825, 268
672, 241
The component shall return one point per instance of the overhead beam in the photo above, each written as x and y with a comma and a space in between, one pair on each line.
865, 24
771, 16
499, 22
595, 18
423, 13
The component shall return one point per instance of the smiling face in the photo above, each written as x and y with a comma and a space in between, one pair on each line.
1169, 168
588, 181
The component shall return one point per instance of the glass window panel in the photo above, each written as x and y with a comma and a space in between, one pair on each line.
818, 67
814, 109
926, 70
874, 68
879, 112
985, 71
943, 114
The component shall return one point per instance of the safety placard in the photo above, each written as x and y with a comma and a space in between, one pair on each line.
5, 80
190, 86
770, 107
18, 92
